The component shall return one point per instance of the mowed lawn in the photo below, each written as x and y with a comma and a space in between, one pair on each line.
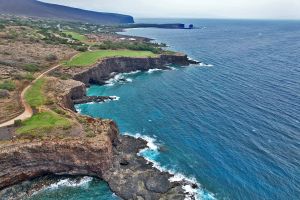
42, 122
34, 95
76, 36
91, 57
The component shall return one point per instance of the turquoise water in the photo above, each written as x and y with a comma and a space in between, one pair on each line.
73, 189
232, 124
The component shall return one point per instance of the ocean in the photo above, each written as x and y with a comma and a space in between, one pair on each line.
231, 124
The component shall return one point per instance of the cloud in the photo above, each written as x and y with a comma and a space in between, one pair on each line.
257, 9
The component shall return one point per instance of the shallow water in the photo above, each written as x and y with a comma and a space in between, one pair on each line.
233, 124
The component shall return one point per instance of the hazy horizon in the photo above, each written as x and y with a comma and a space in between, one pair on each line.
213, 9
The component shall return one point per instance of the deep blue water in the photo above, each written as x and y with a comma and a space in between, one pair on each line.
233, 126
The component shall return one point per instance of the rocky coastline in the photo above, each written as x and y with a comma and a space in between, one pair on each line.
107, 68
107, 155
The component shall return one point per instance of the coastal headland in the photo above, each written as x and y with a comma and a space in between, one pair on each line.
56, 140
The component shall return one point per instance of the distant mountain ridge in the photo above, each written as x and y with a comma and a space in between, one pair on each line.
34, 8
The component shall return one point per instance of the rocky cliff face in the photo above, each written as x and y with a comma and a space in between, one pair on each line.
102, 71
23, 160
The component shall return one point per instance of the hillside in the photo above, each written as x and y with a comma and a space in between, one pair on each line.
35, 8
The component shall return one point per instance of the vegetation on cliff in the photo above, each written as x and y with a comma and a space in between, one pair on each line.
42, 123
91, 57
34, 96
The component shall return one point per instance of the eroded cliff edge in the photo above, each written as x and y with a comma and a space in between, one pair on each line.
106, 68
105, 154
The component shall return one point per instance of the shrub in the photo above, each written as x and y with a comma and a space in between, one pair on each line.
137, 46
90, 134
59, 111
81, 48
8, 85
31, 68
29, 76
18, 123
51, 57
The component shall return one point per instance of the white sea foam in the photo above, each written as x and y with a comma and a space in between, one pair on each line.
152, 151
77, 108
70, 183
201, 64
67, 182
150, 141
115, 98
118, 78
133, 72
172, 68
150, 71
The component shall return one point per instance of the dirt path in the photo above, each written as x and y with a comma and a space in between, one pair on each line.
28, 111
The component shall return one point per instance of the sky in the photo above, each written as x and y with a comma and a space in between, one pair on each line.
240, 9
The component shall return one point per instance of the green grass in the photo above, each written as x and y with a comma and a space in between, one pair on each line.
8, 85
34, 95
91, 57
76, 36
40, 123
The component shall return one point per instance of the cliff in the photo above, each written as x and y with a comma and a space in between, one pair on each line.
25, 160
102, 71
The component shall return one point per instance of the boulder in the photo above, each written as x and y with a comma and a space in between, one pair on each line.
4, 93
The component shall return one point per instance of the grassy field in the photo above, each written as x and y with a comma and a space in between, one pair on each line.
41, 123
34, 96
91, 57
76, 36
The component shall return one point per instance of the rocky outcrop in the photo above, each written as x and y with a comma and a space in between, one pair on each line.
4, 93
95, 99
103, 70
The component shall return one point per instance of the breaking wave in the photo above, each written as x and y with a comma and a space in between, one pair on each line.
67, 182
119, 78
151, 152
150, 71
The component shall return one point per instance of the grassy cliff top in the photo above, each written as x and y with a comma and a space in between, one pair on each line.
91, 57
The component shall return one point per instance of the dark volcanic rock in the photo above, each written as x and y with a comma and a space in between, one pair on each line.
138, 179
96, 99
4, 93
102, 71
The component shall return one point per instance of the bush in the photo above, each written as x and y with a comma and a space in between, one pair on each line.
18, 123
29, 76
81, 48
137, 46
90, 134
51, 57
2, 26
8, 85
59, 111
31, 68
